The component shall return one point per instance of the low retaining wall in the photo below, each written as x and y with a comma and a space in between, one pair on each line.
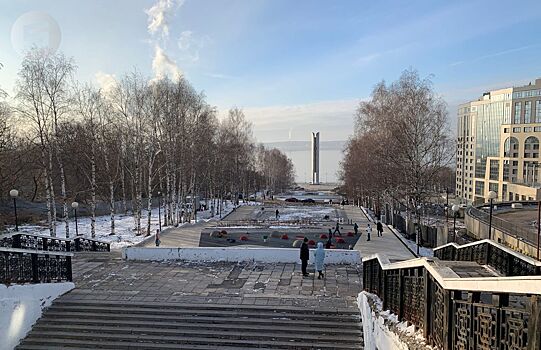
264, 255
21, 306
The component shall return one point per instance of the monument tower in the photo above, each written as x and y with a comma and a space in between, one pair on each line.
315, 158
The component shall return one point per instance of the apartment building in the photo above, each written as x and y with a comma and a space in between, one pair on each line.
498, 145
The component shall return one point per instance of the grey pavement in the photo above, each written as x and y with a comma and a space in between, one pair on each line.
107, 277
388, 244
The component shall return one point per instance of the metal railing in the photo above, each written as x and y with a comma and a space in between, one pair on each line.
508, 228
454, 318
20, 266
47, 243
485, 252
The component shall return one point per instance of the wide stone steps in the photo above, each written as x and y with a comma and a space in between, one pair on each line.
129, 325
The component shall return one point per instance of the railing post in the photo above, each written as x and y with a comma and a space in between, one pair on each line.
94, 248
69, 269
400, 294
68, 246
35, 269
426, 292
534, 324
45, 244
16, 241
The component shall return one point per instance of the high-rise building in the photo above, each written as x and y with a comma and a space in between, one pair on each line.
315, 158
498, 145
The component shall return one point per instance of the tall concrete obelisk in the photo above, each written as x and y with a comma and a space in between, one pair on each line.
315, 158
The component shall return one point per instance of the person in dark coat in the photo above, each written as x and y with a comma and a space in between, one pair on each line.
329, 243
305, 256
330, 233
379, 228
277, 214
356, 229
157, 238
337, 229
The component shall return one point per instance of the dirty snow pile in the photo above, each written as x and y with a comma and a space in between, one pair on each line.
382, 330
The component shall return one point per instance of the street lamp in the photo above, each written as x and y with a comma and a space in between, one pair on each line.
14, 194
455, 209
75, 205
491, 196
160, 210
418, 228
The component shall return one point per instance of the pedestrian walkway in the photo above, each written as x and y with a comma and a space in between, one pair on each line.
388, 244
187, 235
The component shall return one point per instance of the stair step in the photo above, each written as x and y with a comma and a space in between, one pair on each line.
209, 332
218, 312
185, 306
230, 324
73, 316
117, 341
78, 346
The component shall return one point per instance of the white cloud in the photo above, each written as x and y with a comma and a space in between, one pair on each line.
159, 14
190, 44
163, 66
106, 82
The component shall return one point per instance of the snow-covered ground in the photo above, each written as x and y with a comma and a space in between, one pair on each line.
125, 234
21, 306
295, 213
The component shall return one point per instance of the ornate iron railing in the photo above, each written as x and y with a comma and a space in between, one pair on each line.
19, 266
47, 243
486, 252
452, 318
82, 244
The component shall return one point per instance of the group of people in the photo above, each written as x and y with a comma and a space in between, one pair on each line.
319, 254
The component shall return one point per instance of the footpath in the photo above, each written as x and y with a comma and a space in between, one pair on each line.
388, 244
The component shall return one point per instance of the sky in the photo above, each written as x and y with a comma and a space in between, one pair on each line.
293, 66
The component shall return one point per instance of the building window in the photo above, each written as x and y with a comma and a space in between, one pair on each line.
531, 147
510, 147
517, 112
527, 112
479, 188
494, 169
506, 130
493, 187
537, 111
529, 173
528, 129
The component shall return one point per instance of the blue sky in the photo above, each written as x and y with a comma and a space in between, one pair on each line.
298, 66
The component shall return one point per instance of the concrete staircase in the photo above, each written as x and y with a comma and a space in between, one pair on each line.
128, 325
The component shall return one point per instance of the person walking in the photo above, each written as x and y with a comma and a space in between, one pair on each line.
379, 228
337, 229
329, 243
305, 256
277, 214
330, 233
356, 229
157, 238
368, 231
320, 260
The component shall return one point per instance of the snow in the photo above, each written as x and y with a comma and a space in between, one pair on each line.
124, 226
21, 306
382, 330
296, 213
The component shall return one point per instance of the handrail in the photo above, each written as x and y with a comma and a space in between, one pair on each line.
48, 243
457, 313
21, 266
487, 252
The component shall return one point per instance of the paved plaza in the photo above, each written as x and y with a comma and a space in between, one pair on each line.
108, 277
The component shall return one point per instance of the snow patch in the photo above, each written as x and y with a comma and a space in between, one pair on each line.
21, 307
382, 330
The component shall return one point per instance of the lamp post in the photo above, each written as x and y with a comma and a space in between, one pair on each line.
14, 194
418, 228
75, 205
491, 196
160, 210
455, 209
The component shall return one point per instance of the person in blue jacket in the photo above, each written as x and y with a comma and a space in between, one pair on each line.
320, 260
